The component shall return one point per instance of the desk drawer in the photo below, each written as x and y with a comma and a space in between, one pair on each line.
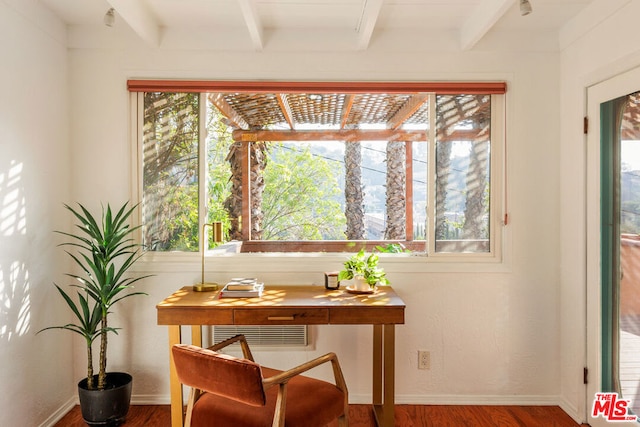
281, 316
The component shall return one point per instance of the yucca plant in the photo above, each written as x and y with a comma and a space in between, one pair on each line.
105, 252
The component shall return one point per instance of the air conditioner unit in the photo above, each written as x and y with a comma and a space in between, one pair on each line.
265, 335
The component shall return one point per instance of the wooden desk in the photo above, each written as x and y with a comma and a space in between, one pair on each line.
292, 305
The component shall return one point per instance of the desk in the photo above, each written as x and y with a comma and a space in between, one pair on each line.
292, 305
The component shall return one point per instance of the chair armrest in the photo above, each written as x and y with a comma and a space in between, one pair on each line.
285, 376
246, 352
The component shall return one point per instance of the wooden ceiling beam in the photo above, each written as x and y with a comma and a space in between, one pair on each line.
403, 114
252, 20
367, 24
137, 16
481, 20
228, 111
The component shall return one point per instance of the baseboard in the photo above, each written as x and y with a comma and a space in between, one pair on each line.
61, 412
573, 411
453, 399
151, 399
523, 400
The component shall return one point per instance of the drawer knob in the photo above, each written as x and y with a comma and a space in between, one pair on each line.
280, 318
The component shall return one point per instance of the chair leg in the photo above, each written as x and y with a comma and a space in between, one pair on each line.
281, 401
193, 396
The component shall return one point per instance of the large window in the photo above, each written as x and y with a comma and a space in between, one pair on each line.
321, 169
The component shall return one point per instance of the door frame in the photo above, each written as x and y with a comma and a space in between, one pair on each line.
612, 88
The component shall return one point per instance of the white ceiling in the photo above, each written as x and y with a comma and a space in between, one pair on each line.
362, 20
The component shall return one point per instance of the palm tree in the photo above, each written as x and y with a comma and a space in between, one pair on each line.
258, 152
353, 193
233, 204
396, 191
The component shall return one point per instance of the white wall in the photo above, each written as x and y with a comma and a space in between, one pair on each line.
35, 371
493, 331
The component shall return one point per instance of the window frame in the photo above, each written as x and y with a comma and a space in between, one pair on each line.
497, 180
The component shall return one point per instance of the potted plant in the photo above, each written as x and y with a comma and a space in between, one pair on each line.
105, 251
364, 270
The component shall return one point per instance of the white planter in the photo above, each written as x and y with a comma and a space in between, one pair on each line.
360, 284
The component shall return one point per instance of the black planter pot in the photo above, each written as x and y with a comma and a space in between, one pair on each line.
106, 407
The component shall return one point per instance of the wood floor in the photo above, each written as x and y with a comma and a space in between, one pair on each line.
406, 416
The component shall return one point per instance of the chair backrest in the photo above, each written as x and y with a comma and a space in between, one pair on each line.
221, 374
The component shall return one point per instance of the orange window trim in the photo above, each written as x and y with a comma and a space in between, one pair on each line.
442, 88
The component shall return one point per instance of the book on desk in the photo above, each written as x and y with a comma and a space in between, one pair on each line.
242, 288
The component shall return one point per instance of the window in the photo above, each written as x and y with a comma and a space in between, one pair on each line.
321, 167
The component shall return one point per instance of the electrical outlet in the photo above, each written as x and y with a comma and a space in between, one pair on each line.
424, 359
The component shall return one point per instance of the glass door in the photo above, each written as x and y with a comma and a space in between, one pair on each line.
612, 258
627, 138
620, 257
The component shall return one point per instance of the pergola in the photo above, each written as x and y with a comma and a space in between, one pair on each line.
340, 116
342, 106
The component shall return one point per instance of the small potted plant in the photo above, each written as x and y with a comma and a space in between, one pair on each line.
105, 252
364, 271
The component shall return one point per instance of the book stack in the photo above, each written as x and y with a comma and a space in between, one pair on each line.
242, 288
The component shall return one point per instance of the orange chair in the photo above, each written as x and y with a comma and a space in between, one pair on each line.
235, 392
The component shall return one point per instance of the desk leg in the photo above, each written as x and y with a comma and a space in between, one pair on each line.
377, 365
196, 335
177, 398
384, 374
175, 386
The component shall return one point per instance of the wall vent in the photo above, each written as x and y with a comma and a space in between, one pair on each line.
265, 335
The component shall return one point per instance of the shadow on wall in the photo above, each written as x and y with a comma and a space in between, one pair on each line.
15, 304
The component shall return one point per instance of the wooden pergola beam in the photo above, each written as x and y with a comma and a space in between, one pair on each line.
283, 102
348, 104
407, 110
228, 111
350, 135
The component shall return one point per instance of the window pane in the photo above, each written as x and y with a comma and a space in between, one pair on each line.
374, 173
303, 197
170, 175
308, 194
462, 173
